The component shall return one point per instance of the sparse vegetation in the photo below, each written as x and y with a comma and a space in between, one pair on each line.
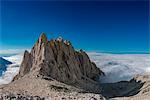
59, 88
44, 38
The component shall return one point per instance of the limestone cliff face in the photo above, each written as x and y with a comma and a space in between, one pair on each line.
59, 60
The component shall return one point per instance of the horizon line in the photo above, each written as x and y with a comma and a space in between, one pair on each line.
18, 51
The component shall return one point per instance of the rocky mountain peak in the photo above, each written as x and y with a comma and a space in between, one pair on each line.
58, 59
43, 38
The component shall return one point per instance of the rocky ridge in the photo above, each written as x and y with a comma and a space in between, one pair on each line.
54, 69
58, 59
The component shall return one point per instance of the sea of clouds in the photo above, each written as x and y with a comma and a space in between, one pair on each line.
117, 67
12, 69
120, 67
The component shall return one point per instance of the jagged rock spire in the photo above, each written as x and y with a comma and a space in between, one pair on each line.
60, 61
26, 64
43, 38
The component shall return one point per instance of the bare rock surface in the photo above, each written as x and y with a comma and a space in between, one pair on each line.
30, 88
54, 69
59, 60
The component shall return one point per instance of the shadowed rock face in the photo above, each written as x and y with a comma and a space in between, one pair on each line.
59, 60
122, 88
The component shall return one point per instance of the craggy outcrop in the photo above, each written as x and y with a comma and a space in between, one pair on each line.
58, 59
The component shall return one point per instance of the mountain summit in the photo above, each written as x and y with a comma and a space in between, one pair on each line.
57, 59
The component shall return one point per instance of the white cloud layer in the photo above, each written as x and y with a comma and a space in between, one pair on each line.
12, 69
119, 67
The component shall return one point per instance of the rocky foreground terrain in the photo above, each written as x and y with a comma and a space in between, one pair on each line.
54, 70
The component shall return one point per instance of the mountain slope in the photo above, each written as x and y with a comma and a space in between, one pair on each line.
58, 59
4, 62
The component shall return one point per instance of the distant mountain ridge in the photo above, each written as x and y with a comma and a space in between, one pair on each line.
4, 61
3, 65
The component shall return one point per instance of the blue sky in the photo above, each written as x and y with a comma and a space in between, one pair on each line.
107, 26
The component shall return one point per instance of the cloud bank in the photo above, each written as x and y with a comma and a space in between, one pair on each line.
117, 67
12, 69
120, 67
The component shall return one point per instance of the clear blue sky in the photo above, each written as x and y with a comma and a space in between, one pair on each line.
108, 26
